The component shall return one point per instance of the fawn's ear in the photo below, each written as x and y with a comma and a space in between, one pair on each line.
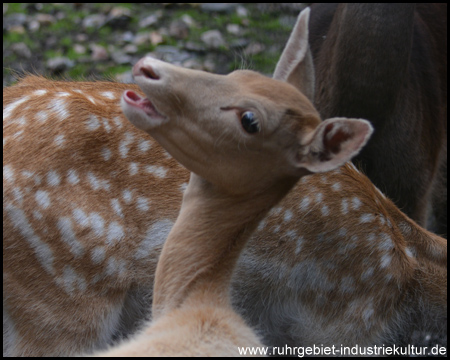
334, 142
295, 65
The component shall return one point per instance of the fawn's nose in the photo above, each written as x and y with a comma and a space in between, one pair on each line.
145, 68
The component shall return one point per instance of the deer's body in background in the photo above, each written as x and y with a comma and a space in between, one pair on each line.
356, 271
388, 63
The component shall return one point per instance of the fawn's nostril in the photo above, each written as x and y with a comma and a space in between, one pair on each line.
149, 73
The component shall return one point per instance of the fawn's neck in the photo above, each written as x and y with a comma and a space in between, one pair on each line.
199, 255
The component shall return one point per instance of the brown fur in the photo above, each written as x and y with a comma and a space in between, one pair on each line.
388, 63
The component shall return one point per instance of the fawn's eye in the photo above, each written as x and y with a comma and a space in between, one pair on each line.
250, 123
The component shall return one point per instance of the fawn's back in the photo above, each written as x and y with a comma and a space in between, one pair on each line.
78, 178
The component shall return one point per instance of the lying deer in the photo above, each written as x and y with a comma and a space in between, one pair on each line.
89, 201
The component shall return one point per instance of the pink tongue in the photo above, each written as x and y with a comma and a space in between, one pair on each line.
142, 103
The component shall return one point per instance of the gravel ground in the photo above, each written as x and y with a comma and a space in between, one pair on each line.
86, 41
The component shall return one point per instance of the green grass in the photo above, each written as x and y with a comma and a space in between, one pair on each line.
59, 38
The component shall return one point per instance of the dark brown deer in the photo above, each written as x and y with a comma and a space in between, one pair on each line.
388, 63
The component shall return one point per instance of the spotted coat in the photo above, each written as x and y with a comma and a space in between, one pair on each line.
88, 201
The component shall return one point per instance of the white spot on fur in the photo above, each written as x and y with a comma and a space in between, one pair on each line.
405, 228
69, 237
106, 154
409, 252
42, 251
385, 242
291, 235
17, 136
108, 94
18, 195
59, 140
53, 178
371, 238
133, 168
97, 223
142, 204
356, 203
287, 216
367, 315
118, 121
92, 123
155, 236
42, 116
325, 210
97, 183
72, 177
299, 245
344, 206
93, 181
37, 179
59, 107
37, 215
367, 273
116, 267
304, 204
115, 233
365, 218
116, 207
42, 199
144, 145
157, 171
124, 145
385, 260
319, 197
71, 280
39, 92
80, 217
183, 187
27, 174
91, 99
98, 255
305, 179
106, 124
261, 225
7, 111
21, 121
276, 210
127, 196
342, 232
8, 173
336, 187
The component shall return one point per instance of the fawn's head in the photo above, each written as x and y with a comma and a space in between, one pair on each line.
244, 130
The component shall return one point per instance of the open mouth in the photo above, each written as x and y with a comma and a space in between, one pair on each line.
144, 104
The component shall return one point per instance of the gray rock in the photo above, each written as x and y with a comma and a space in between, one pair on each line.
59, 64
213, 39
